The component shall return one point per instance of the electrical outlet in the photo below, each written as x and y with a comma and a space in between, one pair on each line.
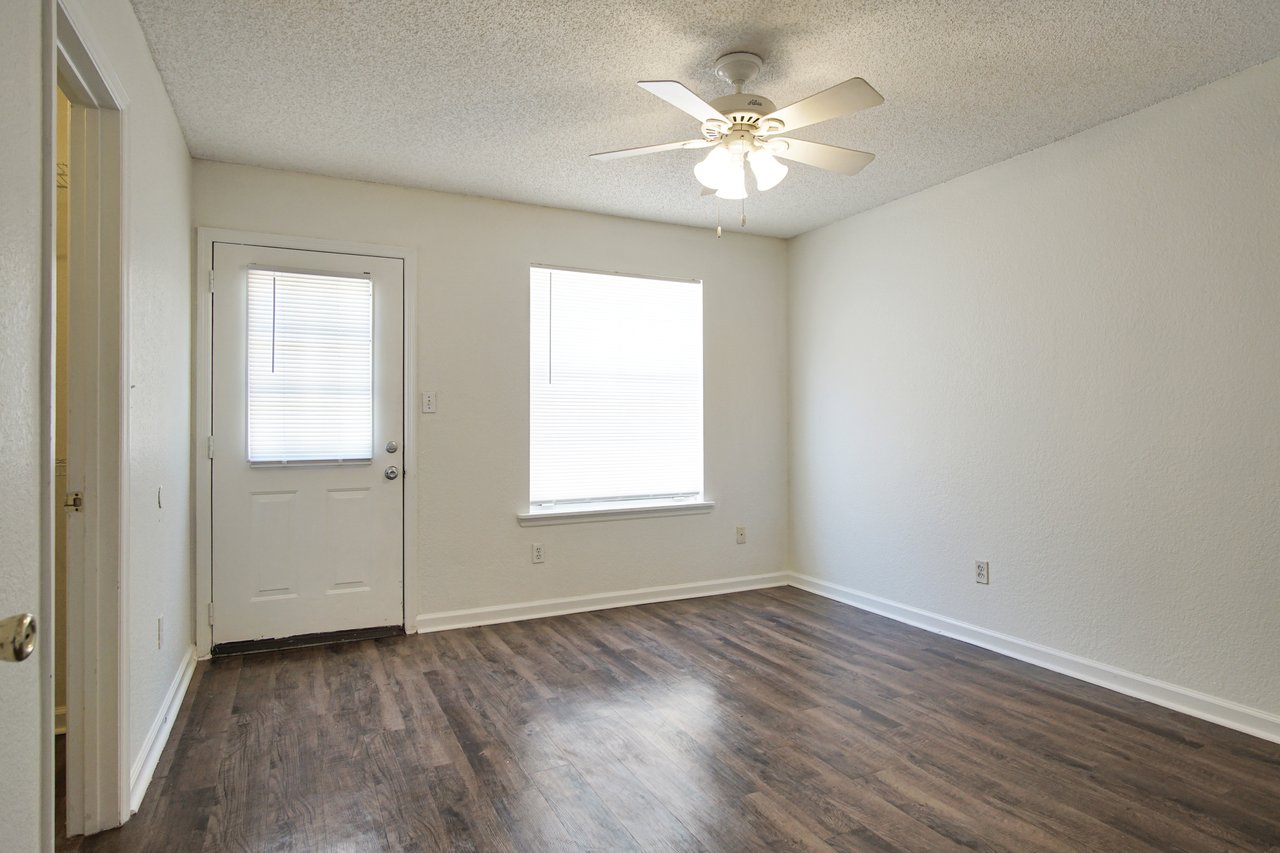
741, 535
538, 554
160, 632
982, 571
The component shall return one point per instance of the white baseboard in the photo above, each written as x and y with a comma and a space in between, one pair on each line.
1224, 712
600, 601
144, 766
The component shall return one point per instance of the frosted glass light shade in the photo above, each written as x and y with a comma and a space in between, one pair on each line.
735, 182
768, 171
714, 169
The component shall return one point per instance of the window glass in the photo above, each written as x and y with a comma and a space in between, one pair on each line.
310, 363
615, 387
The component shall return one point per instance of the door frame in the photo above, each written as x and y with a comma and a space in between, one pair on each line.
98, 773
205, 238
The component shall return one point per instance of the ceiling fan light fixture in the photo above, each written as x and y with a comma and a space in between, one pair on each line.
767, 170
714, 170
735, 183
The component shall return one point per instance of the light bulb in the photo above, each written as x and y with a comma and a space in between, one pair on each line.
735, 180
712, 172
768, 171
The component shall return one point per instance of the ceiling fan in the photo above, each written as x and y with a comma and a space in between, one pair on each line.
743, 129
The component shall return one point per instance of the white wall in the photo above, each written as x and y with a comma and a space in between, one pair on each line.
21, 245
158, 250
473, 348
1067, 364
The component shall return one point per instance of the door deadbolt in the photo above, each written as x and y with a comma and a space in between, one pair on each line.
391, 472
17, 637
392, 447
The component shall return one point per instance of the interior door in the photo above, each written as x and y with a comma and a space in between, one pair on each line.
307, 445
26, 808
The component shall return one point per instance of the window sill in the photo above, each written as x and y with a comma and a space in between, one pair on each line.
611, 511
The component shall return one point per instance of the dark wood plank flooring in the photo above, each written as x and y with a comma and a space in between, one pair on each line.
762, 720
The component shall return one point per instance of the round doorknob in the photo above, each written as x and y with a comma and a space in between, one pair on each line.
391, 472
17, 637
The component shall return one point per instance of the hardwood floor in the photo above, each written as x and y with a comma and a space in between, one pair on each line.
761, 720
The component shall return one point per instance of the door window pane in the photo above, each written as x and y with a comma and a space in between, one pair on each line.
310, 363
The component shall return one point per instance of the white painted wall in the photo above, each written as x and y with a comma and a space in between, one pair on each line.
21, 245
158, 250
1067, 364
473, 344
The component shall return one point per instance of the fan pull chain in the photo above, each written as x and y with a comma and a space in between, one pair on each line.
719, 230
743, 220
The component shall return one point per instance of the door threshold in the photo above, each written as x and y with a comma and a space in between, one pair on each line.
275, 644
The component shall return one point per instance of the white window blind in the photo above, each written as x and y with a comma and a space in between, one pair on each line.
615, 387
310, 355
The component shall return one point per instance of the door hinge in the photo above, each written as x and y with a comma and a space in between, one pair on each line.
210, 447
210, 614
211, 281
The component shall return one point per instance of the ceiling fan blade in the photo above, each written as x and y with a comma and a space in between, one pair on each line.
651, 149
841, 99
846, 161
679, 96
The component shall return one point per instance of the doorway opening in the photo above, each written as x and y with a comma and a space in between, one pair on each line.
87, 431
315, 535
62, 284
308, 444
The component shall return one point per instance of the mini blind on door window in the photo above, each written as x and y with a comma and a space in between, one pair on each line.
310, 365
615, 387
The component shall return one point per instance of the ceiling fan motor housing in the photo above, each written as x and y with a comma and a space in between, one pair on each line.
744, 108
744, 112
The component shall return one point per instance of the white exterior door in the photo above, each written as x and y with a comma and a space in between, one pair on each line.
308, 442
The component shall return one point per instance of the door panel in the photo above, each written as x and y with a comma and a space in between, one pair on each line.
306, 538
273, 536
27, 722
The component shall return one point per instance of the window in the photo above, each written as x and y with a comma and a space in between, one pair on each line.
310, 354
615, 392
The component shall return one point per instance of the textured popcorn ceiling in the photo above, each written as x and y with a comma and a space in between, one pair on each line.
507, 99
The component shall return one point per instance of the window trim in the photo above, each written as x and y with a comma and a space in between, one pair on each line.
581, 511
563, 268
